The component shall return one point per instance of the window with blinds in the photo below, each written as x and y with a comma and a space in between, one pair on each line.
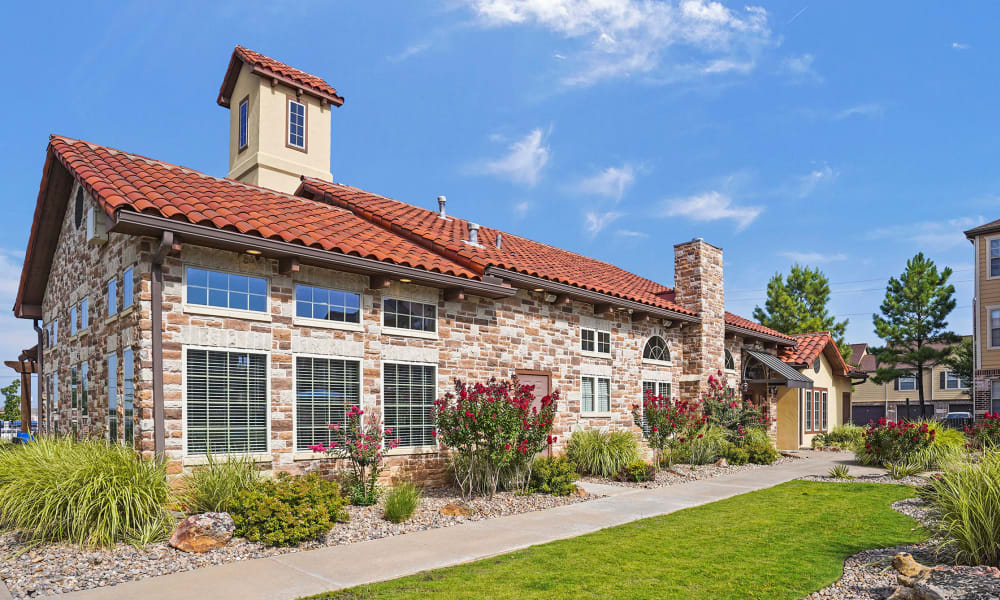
324, 390
83, 390
656, 388
408, 393
128, 397
226, 402
113, 397
595, 394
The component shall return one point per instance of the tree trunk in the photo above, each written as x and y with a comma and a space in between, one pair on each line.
920, 389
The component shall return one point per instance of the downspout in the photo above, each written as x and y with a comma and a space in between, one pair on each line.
41, 337
156, 314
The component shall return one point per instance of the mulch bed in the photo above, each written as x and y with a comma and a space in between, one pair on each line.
49, 569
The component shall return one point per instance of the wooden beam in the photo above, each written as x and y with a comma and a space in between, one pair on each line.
288, 265
454, 294
562, 300
641, 317
604, 309
379, 282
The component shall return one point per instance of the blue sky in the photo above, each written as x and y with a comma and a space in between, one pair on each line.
847, 137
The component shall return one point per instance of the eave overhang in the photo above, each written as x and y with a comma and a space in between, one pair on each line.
743, 331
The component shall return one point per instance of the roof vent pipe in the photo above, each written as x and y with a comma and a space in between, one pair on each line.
474, 233
499, 240
441, 202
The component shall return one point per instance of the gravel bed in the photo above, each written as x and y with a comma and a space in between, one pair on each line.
60, 568
916, 480
684, 473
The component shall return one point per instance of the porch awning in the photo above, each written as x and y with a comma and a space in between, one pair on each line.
794, 378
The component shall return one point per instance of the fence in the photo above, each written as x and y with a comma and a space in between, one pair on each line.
10, 429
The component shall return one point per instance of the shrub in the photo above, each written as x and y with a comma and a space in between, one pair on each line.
495, 426
966, 501
895, 442
637, 472
818, 440
602, 454
841, 472
736, 455
401, 501
761, 453
848, 436
362, 447
664, 419
86, 492
706, 445
722, 406
288, 510
985, 433
553, 475
756, 435
212, 488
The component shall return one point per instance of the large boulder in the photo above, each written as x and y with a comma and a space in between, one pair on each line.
920, 582
204, 532
457, 509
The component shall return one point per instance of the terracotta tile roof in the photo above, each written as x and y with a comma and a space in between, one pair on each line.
809, 345
120, 180
738, 321
516, 253
267, 66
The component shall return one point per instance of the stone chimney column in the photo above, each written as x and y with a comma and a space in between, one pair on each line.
698, 286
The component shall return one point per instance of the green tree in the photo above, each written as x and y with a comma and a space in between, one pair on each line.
798, 304
960, 361
913, 323
12, 401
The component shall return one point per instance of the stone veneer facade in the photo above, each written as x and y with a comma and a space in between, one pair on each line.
476, 338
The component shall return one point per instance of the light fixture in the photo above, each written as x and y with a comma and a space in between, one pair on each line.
254, 252
404, 280
539, 289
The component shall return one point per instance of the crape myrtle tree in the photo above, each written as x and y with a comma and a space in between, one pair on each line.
798, 304
913, 323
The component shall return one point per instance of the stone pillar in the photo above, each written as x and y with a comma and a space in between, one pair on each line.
698, 286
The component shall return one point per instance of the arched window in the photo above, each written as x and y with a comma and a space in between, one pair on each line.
656, 349
730, 361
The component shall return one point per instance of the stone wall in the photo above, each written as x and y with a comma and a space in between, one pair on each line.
983, 389
698, 286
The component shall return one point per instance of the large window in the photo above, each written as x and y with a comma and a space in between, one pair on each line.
655, 388
226, 290
112, 296
994, 258
995, 328
406, 314
324, 390
328, 305
113, 397
408, 393
656, 350
226, 402
592, 340
817, 403
595, 394
906, 384
127, 287
296, 124
244, 121
808, 396
128, 396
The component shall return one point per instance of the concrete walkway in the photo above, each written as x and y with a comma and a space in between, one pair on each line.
296, 574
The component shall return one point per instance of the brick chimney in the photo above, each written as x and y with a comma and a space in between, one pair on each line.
698, 286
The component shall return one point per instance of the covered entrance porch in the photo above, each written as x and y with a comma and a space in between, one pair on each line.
776, 386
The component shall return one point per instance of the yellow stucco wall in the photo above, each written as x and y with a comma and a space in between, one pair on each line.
791, 429
267, 161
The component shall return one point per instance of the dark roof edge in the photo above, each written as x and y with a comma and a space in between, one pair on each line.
757, 334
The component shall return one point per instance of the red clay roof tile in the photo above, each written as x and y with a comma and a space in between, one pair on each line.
738, 321
809, 345
311, 84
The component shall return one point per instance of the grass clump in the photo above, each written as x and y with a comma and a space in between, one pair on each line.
602, 454
401, 502
966, 501
85, 492
902, 470
840, 472
213, 488
948, 447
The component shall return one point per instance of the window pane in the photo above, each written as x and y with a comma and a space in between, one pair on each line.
226, 402
324, 390
128, 417
127, 284
226, 290
408, 393
603, 395
113, 397
406, 314
587, 394
587, 340
112, 296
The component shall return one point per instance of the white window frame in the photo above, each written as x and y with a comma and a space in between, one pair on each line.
907, 377
84, 389
128, 283
305, 125
726, 352
597, 342
111, 293
309, 454
405, 450
653, 361
243, 131
72, 321
112, 380
987, 248
656, 383
84, 315
402, 331
995, 389
201, 459
216, 311
953, 377
989, 328
325, 324
595, 412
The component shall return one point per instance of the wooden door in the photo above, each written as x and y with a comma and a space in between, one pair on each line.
846, 418
542, 380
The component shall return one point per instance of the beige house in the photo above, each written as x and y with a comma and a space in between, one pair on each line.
986, 315
944, 392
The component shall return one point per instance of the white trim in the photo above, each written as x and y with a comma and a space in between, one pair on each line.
986, 250
405, 450
295, 420
427, 335
288, 125
988, 328
653, 361
595, 412
193, 460
325, 324
597, 344
387, 330
977, 352
658, 363
184, 376
217, 311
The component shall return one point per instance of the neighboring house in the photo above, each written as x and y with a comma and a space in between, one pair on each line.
986, 316
187, 314
944, 392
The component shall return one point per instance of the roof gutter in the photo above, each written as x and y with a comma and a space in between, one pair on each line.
585, 295
757, 334
127, 221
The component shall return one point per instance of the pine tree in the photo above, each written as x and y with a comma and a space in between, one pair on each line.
798, 304
913, 323
960, 361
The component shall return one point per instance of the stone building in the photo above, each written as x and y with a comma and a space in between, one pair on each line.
186, 313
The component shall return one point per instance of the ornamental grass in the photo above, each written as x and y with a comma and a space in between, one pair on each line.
602, 454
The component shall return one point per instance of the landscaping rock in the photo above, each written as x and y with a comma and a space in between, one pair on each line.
204, 532
920, 582
722, 462
457, 509
579, 491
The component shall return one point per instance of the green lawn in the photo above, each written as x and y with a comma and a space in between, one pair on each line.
783, 542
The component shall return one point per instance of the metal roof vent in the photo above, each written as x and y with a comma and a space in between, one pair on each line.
474, 234
441, 202
499, 240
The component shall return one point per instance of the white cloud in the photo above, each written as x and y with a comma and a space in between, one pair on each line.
521, 209
623, 38
411, 51
871, 110
524, 161
595, 222
960, 46
938, 235
629, 233
711, 206
812, 258
559, 56
610, 183
801, 68
808, 183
